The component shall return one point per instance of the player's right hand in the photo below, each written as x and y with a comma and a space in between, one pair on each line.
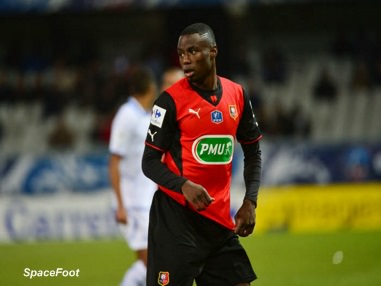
196, 195
121, 215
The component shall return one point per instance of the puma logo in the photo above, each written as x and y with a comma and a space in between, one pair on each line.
150, 134
195, 112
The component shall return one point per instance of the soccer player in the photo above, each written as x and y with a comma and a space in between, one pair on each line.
170, 76
133, 191
188, 153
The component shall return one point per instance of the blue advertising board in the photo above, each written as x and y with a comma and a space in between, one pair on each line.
281, 164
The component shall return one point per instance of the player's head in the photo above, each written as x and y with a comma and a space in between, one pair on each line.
197, 52
141, 82
204, 30
170, 76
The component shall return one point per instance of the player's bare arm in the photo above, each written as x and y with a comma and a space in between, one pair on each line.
196, 195
120, 214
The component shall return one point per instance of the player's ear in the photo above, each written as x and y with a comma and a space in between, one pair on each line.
213, 51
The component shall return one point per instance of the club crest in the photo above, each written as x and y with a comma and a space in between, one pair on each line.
233, 111
163, 278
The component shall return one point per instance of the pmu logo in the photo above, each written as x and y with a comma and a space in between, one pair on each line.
213, 149
216, 117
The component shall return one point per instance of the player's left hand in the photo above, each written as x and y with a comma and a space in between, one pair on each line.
245, 219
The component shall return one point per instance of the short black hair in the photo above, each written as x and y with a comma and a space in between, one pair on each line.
201, 29
139, 80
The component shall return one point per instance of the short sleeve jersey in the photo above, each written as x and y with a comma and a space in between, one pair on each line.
128, 132
197, 137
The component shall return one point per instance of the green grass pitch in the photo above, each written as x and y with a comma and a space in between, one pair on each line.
329, 259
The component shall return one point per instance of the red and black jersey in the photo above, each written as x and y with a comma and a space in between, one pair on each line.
196, 131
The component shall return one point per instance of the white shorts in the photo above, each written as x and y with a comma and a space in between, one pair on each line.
136, 230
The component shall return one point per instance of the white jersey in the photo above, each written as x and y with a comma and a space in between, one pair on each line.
128, 134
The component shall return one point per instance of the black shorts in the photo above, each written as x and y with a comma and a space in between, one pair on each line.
184, 246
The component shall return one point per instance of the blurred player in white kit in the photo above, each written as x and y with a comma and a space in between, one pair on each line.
133, 191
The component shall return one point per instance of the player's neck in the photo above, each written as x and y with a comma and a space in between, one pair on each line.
145, 101
209, 84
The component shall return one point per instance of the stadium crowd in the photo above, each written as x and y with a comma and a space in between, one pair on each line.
58, 77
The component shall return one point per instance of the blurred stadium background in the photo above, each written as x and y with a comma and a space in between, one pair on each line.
313, 71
